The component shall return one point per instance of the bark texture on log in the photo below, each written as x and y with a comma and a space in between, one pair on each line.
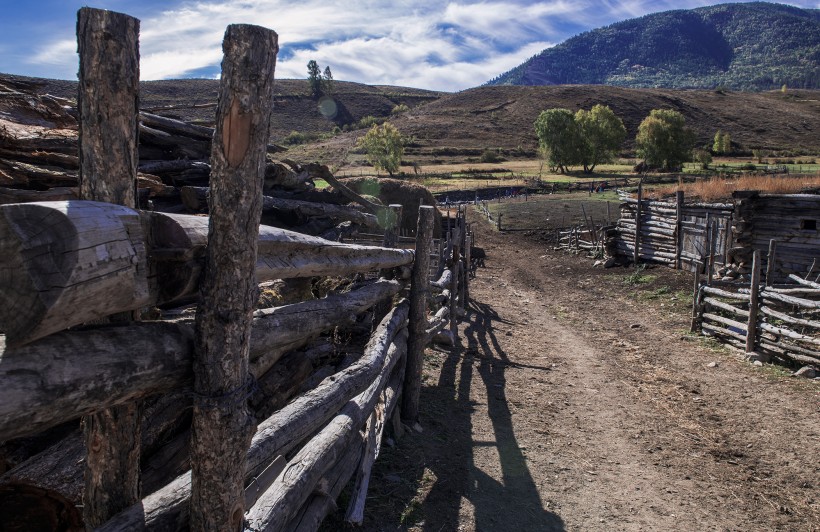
420, 285
293, 487
67, 263
73, 373
222, 425
167, 509
108, 104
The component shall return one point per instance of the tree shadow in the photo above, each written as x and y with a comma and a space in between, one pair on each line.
513, 503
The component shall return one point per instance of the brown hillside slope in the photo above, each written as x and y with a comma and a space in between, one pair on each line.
468, 122
452, 127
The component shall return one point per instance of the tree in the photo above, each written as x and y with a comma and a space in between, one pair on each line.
384, 147
718, 146
327, 81
663, 139
726, 141
314, 78
559, 137
602, 133
702, 157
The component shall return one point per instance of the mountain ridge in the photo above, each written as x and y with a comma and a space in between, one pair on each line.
750, 46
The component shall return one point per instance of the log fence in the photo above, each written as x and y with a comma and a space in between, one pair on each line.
771, 320
250, 417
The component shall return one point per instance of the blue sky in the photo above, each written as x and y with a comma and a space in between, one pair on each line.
417, 43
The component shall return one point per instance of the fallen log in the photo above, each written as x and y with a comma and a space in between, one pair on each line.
21, 174
72, 373
167, 509
67, 263
14, 195
195, 199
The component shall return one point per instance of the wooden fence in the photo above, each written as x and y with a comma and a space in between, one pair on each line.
230, 416
721, 237
770, 320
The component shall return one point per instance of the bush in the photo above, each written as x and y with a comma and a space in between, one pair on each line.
491, 156
294, 137
399, 109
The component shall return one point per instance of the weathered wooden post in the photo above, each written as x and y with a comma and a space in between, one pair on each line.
222, 425
696, 302
637, 254
420, 285
498, 224
391, 239
754, 292
712, 249
770, 261
108, 106
678, 228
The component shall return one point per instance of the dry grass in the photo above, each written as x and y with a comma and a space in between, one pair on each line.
717, 188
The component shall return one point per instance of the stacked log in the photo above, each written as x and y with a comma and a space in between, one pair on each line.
670, 234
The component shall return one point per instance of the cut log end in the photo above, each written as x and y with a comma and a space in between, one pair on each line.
26, 507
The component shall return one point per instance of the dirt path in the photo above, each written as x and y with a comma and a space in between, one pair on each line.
569, 405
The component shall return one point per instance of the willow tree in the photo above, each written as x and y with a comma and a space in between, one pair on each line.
602, 134
663, 139
384, 147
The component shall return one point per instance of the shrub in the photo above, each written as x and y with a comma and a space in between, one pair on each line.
295, 137
399, 109
491, 156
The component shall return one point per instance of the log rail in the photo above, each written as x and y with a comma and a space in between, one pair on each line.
321, 416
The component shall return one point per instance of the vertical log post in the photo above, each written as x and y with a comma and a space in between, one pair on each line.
108, 106
419, 287
637, 254
454, 261
754, 292
712, 249
770, 261
468, 247
678, 227
696, 303
391, 240
498, 224
222, 425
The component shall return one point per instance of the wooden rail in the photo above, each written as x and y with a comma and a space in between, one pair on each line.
64, 264
775, 325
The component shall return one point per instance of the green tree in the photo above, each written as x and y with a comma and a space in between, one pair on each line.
314, 78
726, 141
663, 139
702, 157
717, 145
384, 147
602, 134
559, 138
327, 81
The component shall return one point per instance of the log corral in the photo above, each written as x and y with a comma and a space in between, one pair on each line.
211, 377
756, 266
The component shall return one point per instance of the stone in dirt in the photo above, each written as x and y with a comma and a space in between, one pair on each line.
712, 365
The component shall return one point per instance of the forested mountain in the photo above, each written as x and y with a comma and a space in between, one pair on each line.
754, 46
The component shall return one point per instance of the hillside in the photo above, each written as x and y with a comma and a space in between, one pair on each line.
194, 100
459, 127
463, 125
754, 46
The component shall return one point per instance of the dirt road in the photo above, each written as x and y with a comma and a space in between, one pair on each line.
574, 402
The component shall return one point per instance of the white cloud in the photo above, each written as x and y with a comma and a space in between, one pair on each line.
423, 43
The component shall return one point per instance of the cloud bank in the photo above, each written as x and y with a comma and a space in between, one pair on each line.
429, 44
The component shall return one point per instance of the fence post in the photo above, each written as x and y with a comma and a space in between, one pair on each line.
108, 105
751, 325
678, 228
712, 248
637, 254
498, 223
770, 261
696, 296
222, 425
391, 239
419, 287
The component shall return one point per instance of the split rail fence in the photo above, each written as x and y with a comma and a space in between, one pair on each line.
245, 421
758, 317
